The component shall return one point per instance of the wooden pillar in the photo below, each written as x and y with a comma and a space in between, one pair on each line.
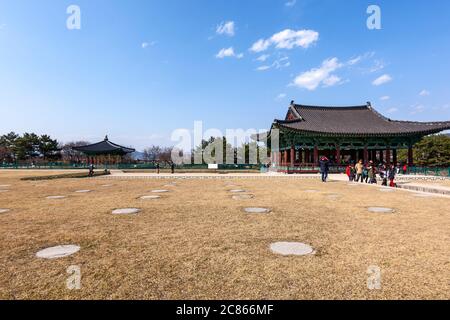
316, 155
307, 156
292, 156
394, 156
300, 156
381, 156
388, 155
279, 158
338, 154
410, 156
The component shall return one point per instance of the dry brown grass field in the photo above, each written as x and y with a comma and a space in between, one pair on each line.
197, 243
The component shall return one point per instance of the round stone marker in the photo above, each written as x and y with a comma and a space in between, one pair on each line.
160, 191
257, 210
126, 211
149, 197
107, 185
291, 248
386, 190
57, 252
237, 190
380, 210
242, 196
4, 210
55, 197
83, 191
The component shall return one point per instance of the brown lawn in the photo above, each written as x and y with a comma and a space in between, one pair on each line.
197, 243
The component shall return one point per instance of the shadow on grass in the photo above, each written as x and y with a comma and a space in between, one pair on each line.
67, 176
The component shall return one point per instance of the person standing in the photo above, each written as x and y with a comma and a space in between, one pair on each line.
391, 176
365, 173
383, 175
91, 170
371, 171
324, 168
348, 172
359, 167
405, 168
157, 167
172, 167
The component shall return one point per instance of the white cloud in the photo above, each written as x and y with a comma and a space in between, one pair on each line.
377, 66
290, 3
360, 58
287, 39
424, 93
385, 98
260, 45
147, 44
311, 79
331, 81
263, 57
385, 78
263, 68
229, 52
277, 64
354, 61
392, 110
226, 28
417, 109
281, 96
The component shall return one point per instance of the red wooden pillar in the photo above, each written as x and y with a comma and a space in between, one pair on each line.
338, 154
388, 155
410, 156
292, 156
316, 155
394, 156
300, 156
279, 158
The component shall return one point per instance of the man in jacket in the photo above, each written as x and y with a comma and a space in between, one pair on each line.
324, 168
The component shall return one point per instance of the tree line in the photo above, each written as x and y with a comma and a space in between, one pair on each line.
30, 146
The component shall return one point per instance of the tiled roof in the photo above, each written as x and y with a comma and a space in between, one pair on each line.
356, 120
104, 147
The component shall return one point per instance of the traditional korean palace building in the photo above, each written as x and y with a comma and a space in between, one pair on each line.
344, 135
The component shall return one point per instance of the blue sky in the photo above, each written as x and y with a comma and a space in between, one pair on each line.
137, 70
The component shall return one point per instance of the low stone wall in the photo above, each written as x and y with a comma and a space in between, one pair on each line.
425, 188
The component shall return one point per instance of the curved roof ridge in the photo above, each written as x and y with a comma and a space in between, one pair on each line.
431, 123
358, 107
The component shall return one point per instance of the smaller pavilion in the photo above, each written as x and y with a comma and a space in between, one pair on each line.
104, 152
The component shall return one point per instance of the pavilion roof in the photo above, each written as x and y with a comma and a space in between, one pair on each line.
104, 147
352, 121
